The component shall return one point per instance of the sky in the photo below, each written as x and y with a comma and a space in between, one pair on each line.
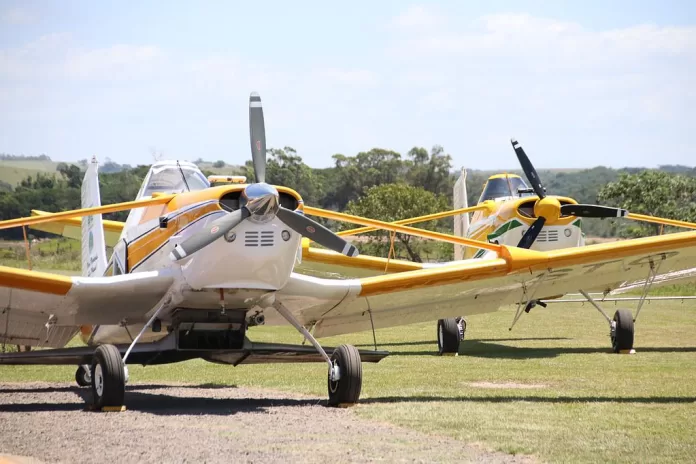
579, 84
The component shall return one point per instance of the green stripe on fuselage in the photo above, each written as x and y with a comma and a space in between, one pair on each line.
512, 224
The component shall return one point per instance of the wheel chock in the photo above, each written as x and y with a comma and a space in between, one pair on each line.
113, 409
449, 354
105, 408
631, 351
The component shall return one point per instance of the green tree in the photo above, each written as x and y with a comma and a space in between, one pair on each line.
391, 202
219, 164
654, 193
353, 175
285, 167
71, 173
431, 171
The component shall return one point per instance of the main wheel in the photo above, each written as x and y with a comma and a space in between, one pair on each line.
448, 336
622, 331
108, 377
346, 390
83, 376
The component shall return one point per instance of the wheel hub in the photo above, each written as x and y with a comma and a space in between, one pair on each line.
334, 376
98, 380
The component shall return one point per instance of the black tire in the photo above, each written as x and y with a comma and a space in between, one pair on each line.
108, 377
448, 337
622, 332
346, 390
83, 375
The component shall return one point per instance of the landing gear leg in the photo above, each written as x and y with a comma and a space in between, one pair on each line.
450, 333
109, 373
620, 327
345, 367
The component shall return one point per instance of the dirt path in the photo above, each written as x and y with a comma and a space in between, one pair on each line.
175, 423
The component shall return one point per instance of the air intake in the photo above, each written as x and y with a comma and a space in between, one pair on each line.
254, 238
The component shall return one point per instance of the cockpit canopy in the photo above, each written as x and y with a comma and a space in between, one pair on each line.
173, 177
502, 186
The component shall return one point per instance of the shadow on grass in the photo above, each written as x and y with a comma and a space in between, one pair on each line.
532, 399
434, 342
487, 349
139, 399
132, 387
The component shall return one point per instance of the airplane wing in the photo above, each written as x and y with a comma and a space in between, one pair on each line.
72, 228
668, 278
469, 287
37, 308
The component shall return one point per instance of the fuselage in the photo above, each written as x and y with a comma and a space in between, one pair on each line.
509, 212
234, 272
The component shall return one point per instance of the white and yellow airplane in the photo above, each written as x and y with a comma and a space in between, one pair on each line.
195, 267
511, 213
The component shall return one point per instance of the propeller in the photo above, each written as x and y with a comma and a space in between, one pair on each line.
532, 233
257, 133
316, 232
549, 209
528, 169
260, 202
593, 211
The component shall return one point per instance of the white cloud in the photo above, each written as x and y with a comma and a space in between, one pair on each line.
466, 83
558, 44
543, 61
417, 17
355, 77
115, 62
17, 16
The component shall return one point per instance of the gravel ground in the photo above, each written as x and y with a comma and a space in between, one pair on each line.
42, 422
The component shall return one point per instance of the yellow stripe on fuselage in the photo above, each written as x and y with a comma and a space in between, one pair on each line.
148, 243
145, 245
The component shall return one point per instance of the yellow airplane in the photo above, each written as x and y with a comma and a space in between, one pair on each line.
511, 213
195, 268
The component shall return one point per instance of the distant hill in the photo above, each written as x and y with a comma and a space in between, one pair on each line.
15, 168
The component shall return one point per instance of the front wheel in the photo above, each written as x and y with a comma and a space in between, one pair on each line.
346, 389
83, 376
108, 377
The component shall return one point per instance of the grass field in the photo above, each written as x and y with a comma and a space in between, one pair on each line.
13, 171
48, 255
14, 175
550, 388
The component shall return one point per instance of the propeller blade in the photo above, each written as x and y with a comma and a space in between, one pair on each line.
257, 132
316, 232
532, 233
212, 232
528, 169
593, 211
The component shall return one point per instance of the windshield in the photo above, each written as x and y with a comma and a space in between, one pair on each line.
500, 187
169, 179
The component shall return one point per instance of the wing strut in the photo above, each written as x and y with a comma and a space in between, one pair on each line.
528, 302
594, 303
285, 312
142, 331
652, 273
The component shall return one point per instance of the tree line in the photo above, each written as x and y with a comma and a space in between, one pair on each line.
385, 185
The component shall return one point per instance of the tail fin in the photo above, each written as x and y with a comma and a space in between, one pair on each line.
93, 248
461, 222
